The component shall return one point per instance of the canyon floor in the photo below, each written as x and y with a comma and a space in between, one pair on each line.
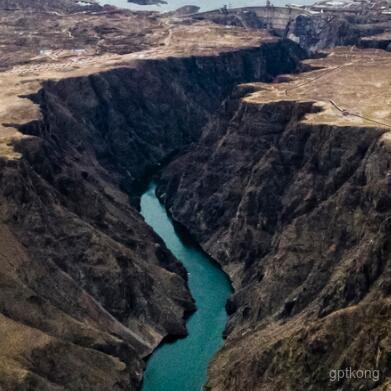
278, 165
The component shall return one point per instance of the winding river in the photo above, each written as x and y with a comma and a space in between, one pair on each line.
182, 365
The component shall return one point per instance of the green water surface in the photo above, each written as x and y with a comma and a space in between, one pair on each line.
182, 365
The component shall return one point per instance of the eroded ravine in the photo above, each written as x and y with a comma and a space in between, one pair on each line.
182, 365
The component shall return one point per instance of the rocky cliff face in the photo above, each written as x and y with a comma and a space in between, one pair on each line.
292, 199
88, 290
315, 32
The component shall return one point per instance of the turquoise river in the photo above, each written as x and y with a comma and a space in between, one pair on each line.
182, 365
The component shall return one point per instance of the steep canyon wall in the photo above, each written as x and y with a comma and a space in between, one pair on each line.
297, 212
88, 290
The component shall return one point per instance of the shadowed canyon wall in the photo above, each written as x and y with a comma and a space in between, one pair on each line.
88, 290
298, 214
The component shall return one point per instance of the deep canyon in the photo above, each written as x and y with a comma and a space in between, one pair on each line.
277, 164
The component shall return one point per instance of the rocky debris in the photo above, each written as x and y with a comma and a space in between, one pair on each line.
288, 191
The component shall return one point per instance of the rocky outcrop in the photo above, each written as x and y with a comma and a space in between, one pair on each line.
377, 41
87, 289
298, 214
316, 32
